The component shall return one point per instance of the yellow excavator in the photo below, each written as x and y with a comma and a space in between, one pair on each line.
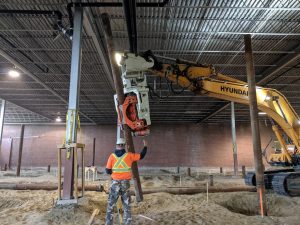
205, 80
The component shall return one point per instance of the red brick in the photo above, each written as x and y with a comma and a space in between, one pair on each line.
169, 145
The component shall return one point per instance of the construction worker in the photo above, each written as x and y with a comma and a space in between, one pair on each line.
119, 166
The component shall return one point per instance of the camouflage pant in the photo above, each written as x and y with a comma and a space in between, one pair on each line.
119, 187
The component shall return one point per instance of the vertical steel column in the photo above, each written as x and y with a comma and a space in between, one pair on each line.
243, 171
94, 151
72, 123
234, 146
20, 150
2, 112
259, 166
59, 172
10, 152
121, 98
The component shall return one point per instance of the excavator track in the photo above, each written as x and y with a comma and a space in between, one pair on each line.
250, 180
287, 184
268, 178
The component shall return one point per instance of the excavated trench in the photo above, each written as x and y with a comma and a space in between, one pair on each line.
247, 204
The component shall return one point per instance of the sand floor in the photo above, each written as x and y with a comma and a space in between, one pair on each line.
38, 208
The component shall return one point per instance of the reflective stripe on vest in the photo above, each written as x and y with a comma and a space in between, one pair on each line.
120, 162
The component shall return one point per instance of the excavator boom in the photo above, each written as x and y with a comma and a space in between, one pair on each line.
205, 80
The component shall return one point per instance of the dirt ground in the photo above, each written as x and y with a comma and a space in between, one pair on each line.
38, 207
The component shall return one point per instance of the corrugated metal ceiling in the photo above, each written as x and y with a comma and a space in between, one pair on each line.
197, 30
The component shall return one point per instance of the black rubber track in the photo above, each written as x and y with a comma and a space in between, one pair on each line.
280, 184
250, 179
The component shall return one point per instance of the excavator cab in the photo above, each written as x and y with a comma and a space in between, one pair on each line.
277, 147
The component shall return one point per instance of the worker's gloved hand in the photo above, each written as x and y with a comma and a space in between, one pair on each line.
145, 143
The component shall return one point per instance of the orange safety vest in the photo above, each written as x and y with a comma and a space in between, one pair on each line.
121, 166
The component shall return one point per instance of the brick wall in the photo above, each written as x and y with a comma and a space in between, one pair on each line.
169, 145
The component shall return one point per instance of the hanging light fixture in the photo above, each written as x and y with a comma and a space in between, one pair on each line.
118, 58
14, 73
262, 113
58, 119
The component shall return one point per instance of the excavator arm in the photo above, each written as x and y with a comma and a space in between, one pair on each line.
204, 80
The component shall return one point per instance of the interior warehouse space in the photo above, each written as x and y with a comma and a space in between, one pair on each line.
149, 112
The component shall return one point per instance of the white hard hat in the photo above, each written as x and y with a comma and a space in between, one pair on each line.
121, 141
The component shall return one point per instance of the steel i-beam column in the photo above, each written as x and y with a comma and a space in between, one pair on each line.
10, 152
20, 150
258, 162
94, 151
72, 123
234, 146
121, 98
2, 112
